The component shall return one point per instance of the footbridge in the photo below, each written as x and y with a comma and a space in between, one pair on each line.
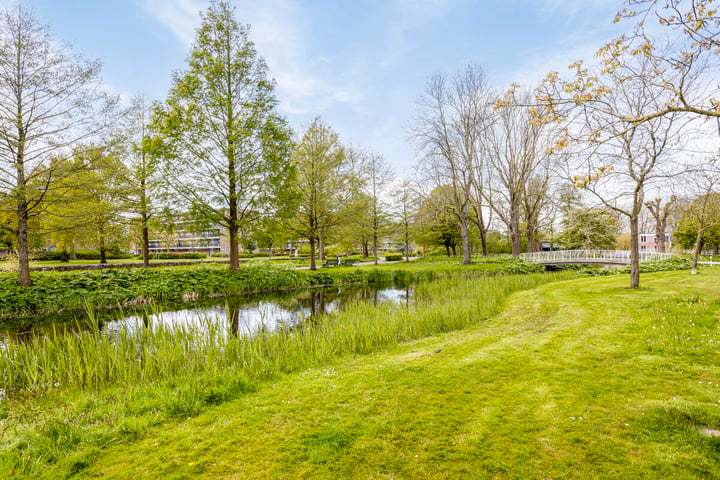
595, 257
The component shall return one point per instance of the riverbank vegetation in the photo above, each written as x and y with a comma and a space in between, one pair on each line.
54, 292
587, 377
97, 391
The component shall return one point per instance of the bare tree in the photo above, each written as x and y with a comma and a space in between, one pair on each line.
518, 146
448, 129
49, 101
660, 214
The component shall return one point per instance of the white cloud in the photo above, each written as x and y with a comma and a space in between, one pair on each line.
280, 30
181, 17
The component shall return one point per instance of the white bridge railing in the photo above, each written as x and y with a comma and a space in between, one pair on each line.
591, 256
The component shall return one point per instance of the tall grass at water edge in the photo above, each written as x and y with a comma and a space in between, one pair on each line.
90, 359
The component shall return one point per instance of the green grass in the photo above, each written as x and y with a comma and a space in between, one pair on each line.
92, 392
576, 379
571, 381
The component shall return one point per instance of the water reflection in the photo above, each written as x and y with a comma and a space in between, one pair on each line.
246, 315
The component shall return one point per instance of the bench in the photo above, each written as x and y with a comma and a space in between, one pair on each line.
330, 263
348, 261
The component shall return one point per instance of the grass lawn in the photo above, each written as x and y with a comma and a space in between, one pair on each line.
578, 379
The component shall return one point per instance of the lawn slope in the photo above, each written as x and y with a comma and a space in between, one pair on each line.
577, 379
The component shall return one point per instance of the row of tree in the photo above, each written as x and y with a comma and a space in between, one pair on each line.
72, 163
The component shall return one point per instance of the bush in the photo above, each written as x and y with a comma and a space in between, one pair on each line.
80, 254
178, 256
393, 257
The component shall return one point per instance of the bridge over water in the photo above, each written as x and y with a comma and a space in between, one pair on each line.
596, 257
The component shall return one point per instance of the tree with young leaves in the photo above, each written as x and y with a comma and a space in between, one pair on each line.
319, 160
49, 101
228, 149
435, 223
589, 228
701, 217
685, 54
140, 154
406, 207
378, 175
617, 157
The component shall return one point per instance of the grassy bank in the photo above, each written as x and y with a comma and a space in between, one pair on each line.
53, 292
78, 394
577, 379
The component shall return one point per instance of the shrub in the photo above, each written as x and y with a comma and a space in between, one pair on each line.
178, 256
393, 257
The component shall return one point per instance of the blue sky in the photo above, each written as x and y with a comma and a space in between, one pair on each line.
360, 64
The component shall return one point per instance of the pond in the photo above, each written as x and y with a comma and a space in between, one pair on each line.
240, 315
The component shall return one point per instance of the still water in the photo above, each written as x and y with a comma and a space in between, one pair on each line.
236, 315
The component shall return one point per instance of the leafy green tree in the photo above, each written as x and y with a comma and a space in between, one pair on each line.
406, 207
92, 209
700, 223
139, 152
379, 176
319, 160
435, 223
229, 148
589, 228
49, 101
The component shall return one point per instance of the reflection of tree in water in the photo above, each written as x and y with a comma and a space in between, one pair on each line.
234, 319
244, 315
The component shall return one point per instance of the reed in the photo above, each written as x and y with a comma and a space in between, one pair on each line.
144, 352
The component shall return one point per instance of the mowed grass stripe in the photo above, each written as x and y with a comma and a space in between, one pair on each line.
563, 384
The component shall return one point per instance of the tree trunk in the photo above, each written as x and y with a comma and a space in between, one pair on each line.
73, 255
447, 249
233, 238
321, 246
483, 242
530, 234
465, 234
375, 249
312, 252
407, 244
698, 247
22, 238
634, 252
482, 231
514, 230
660, 235
103, 256
366, 252
145, 245
515, 238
